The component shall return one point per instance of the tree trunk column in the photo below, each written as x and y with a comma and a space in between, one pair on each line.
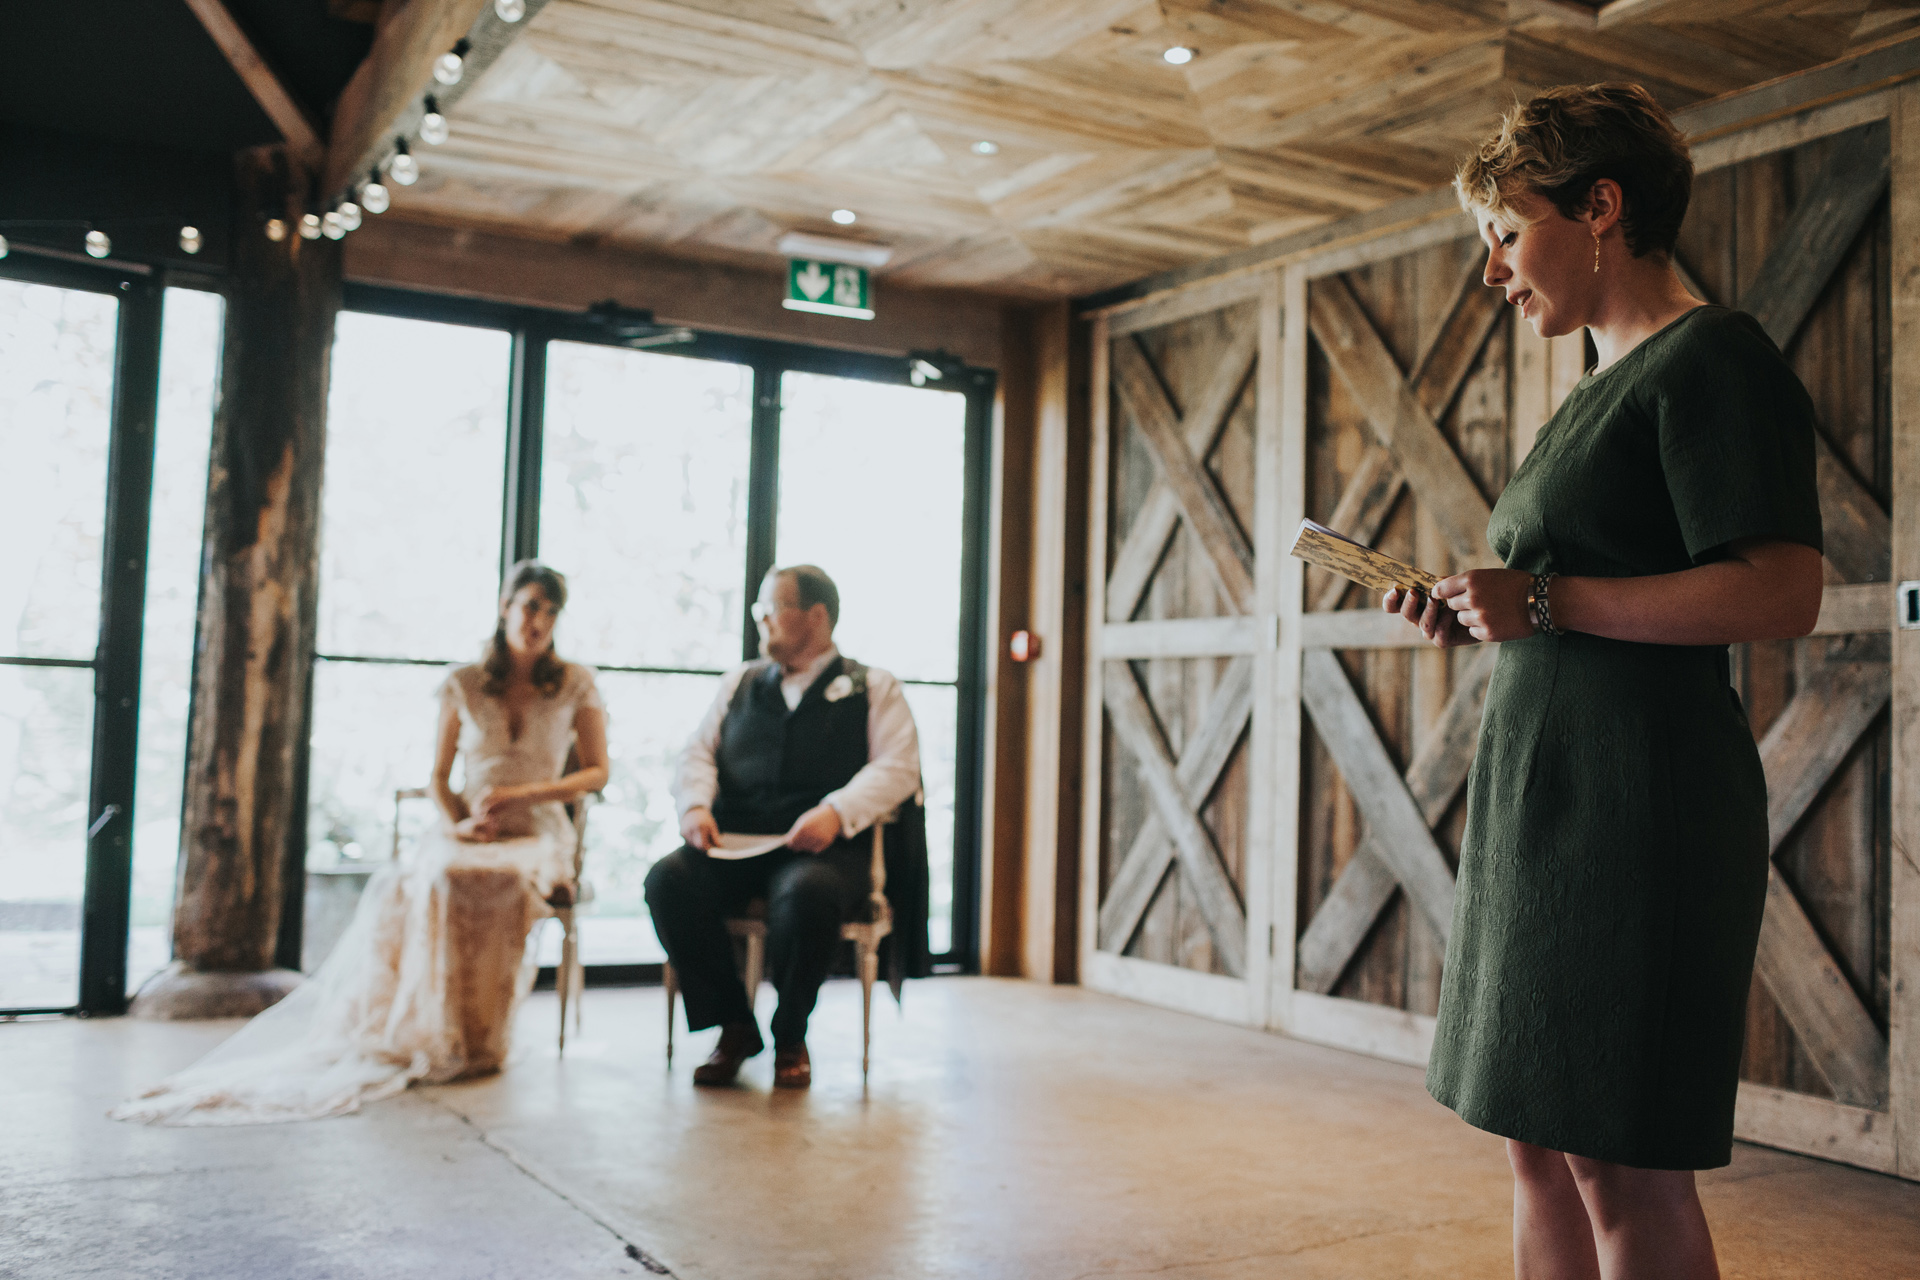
257, 608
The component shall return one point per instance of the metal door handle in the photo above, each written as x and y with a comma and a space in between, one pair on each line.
106, 816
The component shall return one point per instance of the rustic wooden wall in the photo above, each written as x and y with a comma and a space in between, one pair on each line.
1838, 858
1429, 309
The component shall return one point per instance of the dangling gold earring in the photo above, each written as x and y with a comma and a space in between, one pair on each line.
1596, 253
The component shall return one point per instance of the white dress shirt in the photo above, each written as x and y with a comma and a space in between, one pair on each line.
892, 771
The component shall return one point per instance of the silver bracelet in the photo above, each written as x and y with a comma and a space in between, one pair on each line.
1539, 611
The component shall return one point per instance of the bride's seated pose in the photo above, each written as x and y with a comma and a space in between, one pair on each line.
424, 983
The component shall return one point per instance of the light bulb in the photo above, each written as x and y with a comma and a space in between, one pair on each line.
309, 226
404, 170
433, 125
3, 246
350, 216
510, 10
449, 66
330, 225
1179, 55
190, 241
985, 148
374, 197
276, 230
845, 217
98, 245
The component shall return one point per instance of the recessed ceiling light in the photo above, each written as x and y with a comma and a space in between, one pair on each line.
845, 217
985, 148
1179, 55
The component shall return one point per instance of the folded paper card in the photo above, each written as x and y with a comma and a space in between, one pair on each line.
731, 846
1357, 562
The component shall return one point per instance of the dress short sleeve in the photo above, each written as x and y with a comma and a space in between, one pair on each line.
452, 693
1736, 439
587, 688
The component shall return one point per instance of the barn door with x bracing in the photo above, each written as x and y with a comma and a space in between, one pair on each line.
1182, 650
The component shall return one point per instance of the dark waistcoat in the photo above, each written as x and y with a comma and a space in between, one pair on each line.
776, 764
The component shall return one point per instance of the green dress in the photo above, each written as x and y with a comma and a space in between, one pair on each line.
1614, 865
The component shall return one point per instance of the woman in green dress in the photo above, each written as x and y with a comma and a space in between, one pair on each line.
1615, 860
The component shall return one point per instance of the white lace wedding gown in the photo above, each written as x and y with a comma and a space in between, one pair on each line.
424, 983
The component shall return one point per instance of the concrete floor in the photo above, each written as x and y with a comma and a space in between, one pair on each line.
1012, 1131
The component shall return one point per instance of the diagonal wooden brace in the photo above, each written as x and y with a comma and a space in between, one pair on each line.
1219, 901
1438, 772
1201, 761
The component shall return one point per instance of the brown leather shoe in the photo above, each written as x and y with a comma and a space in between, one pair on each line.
792, 1068
738, 1042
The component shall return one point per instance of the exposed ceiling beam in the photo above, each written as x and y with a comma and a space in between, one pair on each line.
397, 71
265, 86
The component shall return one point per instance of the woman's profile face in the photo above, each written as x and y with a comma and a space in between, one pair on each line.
529, 619
1544, 263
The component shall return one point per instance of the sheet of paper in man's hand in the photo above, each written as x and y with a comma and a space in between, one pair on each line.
731, 846
1356, 562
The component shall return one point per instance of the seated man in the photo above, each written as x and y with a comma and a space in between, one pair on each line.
804, 743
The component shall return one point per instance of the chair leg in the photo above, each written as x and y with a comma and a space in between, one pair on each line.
869, 971
756, 966
667, 981
563, 978
579, 990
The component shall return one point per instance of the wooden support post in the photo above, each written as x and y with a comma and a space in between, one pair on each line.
257, 609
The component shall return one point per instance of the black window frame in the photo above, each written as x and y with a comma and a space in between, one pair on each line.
531, 329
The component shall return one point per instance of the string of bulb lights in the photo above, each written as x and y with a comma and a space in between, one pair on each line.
346, 215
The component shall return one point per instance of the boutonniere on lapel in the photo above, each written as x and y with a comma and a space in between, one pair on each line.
842, 686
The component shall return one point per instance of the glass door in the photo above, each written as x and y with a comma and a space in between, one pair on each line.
95, 651
409, 571
56, 398
873, 484
644, 506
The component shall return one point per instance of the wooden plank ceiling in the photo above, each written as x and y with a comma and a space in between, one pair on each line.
708, 128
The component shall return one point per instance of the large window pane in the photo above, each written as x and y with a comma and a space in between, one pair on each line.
46, 723
934, 708
56, 387
643, 504
872, 489
416, 458
56, 392
648, 720
373, 729
189, 366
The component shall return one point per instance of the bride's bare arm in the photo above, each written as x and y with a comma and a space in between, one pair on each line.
446, 746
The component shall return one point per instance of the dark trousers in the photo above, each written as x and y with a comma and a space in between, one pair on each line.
808, 895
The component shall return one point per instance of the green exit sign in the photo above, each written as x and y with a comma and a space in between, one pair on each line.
830, 288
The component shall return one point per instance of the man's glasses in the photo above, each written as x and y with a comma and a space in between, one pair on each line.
761, 610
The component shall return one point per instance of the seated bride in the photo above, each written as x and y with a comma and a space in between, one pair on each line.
424, 983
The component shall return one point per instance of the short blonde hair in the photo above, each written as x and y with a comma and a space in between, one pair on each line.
1563, 141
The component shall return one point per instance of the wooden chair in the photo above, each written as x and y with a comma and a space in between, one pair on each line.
570, 977
750, 928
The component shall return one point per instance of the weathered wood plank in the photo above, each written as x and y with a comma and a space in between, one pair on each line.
1399, 420
1834, 1028
1814, 1126
1377, 481
1800, 752
1187, 637
1807, 741
1438, 772
1904, 945
1210, 295
1359, 629
1393, 818
1857, 534
1153, 527
1201, 505
1133, 722
288, 116
1207, 751
1847, 608
1816, 238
